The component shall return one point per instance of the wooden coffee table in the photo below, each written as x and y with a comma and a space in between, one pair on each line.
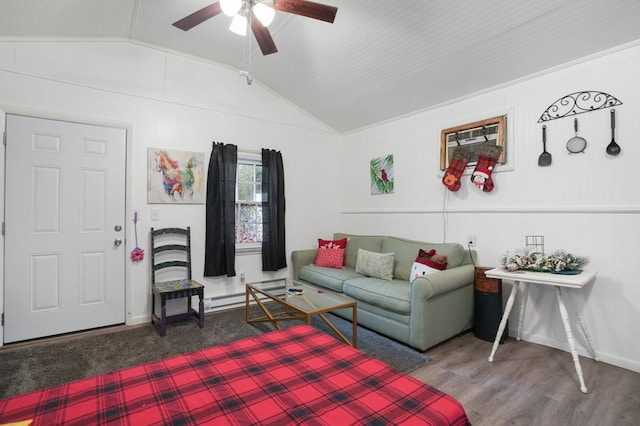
300, 302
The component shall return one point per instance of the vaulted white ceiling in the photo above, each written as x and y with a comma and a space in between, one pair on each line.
379, 60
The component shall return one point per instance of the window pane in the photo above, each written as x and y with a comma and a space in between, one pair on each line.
248, 223
248, 207
246, 233
245, 192
247, 213
258, 235
245, 172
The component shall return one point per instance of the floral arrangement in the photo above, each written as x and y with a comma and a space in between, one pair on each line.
535, 261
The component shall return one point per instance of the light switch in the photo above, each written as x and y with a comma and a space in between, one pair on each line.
155, 214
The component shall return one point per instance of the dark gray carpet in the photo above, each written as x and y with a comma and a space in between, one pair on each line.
25, 368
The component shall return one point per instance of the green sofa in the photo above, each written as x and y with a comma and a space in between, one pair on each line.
420, 314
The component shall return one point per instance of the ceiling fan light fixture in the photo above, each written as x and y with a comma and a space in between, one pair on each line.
264, 13
230, 7
243, 12
239, 25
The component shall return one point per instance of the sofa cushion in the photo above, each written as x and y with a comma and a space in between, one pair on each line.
330, 278
427, 263
376, 265
365, 242
394, 296
405, 252
332, 244
330, 257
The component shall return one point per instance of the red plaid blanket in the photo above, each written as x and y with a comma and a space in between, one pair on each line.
294, 376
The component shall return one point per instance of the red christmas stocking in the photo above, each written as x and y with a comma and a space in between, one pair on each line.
457, 164
481, 176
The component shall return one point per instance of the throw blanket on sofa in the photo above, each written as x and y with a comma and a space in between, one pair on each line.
294, 376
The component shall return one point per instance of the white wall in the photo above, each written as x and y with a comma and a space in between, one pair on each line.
586, 204
174, 102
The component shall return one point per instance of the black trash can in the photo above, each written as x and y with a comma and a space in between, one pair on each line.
487, 307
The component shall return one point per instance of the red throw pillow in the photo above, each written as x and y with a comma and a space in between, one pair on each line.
330, 257
332, 244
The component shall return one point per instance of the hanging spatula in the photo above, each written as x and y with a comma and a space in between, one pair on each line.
545, 158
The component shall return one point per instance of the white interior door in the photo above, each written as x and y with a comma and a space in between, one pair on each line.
65, 195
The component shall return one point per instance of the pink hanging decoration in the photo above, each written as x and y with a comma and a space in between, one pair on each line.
137, 253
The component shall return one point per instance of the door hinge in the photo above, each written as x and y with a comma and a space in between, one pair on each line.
2, 228
2, 319
4, 138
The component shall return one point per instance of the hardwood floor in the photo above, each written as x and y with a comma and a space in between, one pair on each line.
530, 384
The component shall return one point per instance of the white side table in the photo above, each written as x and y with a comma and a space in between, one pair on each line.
561, 283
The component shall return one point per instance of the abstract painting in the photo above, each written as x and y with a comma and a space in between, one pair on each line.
175, 177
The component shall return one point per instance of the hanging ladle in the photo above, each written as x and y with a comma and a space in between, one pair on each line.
613, 148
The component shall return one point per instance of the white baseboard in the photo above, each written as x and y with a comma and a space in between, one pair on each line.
605, 357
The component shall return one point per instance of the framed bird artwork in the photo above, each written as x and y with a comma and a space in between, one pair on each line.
382, 175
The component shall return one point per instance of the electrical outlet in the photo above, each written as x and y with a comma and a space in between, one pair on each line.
242, 280
471, 240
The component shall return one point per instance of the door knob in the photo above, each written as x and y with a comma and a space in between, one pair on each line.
117, 242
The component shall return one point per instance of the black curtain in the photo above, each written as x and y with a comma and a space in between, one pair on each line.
273, 246
220, 245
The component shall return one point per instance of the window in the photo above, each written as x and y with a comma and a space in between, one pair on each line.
473, 136
249, 201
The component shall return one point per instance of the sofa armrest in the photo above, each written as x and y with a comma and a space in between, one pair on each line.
441, 306
425, 288
300, 258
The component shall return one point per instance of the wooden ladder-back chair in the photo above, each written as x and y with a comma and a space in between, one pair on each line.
171, 261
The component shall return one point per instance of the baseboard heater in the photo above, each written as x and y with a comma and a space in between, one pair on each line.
221, 303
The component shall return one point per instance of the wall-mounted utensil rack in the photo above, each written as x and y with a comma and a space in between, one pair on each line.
578, 103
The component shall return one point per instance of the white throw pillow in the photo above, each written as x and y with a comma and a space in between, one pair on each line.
372, 264
421, 270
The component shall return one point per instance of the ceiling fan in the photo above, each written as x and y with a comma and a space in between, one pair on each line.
244, 11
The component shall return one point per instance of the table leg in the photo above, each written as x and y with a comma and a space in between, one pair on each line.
523, 306
201, 308
583, 325
264, 309
247, 306
503, 322
572, 344
354, 326
335, 330
163, 315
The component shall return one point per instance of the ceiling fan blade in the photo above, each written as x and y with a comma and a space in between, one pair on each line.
306, 8
263, 37
198, 17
